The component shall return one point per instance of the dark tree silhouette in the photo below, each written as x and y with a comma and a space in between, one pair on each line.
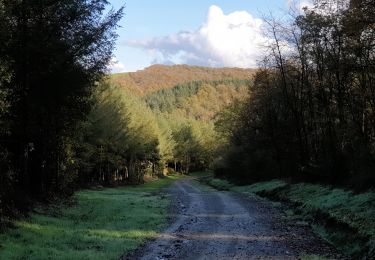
51, 54
310, 115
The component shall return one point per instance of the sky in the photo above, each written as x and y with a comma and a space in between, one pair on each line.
221, 33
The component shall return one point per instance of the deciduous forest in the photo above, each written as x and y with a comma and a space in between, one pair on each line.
309, 115
306, 114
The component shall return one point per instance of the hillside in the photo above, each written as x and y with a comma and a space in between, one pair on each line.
199, 100
158, 77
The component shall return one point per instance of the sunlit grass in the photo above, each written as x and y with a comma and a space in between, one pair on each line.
260, 186
101, 224
336, 213
355, 211
353, 214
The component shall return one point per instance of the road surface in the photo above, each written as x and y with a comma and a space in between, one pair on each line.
211, 224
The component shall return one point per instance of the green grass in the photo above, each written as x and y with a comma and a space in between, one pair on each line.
312, 257
260, 186
220, 184
201, 174
337, 214
101, 224
353, 214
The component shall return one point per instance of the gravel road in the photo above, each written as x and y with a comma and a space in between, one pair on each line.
211, 224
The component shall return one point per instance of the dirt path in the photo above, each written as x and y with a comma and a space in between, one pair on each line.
212, 224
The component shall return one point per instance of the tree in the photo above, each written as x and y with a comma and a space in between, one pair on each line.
310, 112
51, 53
121, 140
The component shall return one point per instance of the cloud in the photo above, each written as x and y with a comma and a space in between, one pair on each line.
115, 66
299, 5
232, 40
306, 3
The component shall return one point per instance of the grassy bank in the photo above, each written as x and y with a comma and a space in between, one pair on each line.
343, 218
100, 224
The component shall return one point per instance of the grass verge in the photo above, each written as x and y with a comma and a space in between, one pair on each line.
101, 224
343, 218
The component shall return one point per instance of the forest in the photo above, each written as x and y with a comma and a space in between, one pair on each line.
86, 155
67, 124
306, 114
310, 111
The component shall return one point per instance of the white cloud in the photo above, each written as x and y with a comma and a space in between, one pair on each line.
115, 66
232, 40
299, 5
306, 3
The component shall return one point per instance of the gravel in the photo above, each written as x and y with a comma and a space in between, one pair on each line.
210, 224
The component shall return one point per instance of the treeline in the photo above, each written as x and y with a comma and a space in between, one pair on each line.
144, 81
66, 125
196, 144
120, 141
125, 138
187, 111
52, 54
311, 111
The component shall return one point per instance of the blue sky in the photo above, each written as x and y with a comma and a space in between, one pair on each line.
197, 32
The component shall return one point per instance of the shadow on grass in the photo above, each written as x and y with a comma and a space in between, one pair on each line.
101, 225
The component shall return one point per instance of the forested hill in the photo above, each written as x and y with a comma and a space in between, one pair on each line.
302, 126
199, 100
158, 77
173, 124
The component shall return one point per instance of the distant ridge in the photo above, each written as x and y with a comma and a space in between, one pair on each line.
158, 77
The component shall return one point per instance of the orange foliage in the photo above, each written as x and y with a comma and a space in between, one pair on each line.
157, 77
